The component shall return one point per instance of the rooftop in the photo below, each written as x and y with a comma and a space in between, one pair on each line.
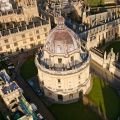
13, 11
10, 88
15, 27
62, 40
4, 76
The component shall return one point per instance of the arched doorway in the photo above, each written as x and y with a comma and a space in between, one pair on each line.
70, 96
60, 97
81, 94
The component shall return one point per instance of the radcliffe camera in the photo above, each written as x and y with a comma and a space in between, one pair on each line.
59, 59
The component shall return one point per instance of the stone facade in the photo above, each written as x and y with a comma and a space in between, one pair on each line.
107, 61
31, 36
63, 65
100, 27
97, 26
22, 28
21, 11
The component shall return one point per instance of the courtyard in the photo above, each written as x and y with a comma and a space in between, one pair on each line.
73, 111
102, 95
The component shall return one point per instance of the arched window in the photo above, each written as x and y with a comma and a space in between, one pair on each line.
70, 96
72, 58
58, 49
59, 60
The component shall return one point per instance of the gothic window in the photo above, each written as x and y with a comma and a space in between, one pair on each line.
72, 58
45, 29
6, 40
23, 36
37, 31
38, 37
31, 39
45, 34
7, 46
15, 44
0, 48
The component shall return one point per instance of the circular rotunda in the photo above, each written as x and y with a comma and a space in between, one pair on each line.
63, 65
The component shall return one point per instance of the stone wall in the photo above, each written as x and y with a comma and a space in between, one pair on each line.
108, 61
115, 69
97, 56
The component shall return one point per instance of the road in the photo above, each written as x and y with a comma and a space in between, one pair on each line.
29, 92
105, 75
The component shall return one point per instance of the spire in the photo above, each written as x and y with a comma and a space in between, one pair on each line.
60, 10
60, 22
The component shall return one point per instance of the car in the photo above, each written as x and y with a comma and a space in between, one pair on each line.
34, 107
31, 83
10, 64
11, 67
40, 117
5, 59
39, 92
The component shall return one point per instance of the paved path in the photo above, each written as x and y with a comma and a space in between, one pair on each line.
29, 92
105, 75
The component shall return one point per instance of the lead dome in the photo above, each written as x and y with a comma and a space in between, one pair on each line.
61, 39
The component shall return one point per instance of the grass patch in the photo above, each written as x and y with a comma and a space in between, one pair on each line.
105, 98
95, 2
28, 69
73, 111
1, 116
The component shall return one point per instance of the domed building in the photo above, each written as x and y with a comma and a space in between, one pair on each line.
63, 65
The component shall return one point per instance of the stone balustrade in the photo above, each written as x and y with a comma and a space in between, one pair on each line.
64, 70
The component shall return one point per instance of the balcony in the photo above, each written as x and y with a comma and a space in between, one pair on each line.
49, 67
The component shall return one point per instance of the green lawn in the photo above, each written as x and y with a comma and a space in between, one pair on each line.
1, 116
73, 111
105, 98
28, 69
115, 46
94, 2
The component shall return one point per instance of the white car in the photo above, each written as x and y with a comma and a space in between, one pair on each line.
40, 116
34, 107
21, 90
